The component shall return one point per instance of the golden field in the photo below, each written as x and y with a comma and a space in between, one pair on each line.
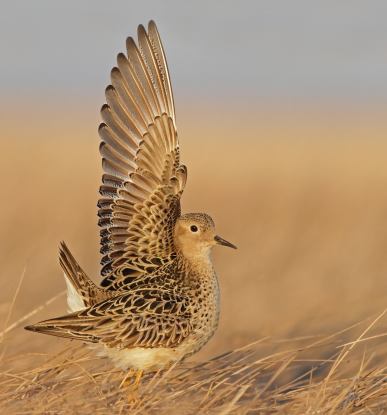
301, 192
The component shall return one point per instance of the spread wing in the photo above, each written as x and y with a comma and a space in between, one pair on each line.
143, 318
143, 178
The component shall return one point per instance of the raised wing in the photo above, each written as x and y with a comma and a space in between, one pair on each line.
143, 318
143, 179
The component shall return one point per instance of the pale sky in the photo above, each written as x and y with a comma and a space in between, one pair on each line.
260, 49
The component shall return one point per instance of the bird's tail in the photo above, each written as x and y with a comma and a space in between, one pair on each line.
69, 326
81, 290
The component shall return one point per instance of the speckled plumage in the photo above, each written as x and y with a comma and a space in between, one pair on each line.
158, 301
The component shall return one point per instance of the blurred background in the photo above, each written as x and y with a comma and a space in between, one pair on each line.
281, 109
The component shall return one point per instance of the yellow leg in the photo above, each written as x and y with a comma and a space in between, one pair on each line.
127, 380
132, 382
138, 377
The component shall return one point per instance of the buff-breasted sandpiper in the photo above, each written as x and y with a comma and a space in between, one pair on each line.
158, 301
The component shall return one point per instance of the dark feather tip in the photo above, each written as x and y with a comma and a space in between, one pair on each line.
30, 328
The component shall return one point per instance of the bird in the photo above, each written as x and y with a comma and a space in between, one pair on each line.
158, 300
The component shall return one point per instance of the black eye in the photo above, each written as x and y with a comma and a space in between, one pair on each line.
194, 228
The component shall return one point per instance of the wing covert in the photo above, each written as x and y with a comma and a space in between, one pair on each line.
143, 318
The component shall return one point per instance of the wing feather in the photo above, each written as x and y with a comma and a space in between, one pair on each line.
159, 55
152, 69
141, 75
134, 135
143, 318
143, 178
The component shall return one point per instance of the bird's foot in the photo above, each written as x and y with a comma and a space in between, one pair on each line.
131, 383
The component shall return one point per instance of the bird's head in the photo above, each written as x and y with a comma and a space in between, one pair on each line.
195, 235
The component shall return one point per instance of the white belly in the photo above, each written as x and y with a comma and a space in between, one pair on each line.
148, 359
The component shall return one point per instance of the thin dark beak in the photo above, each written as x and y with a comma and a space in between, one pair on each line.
221, 241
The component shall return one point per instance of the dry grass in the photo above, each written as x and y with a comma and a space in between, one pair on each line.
297, 379
301, 194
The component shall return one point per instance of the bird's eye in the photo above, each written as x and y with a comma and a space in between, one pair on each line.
194, 228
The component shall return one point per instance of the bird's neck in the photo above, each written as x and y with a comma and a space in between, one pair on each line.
197, 259
196, 270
